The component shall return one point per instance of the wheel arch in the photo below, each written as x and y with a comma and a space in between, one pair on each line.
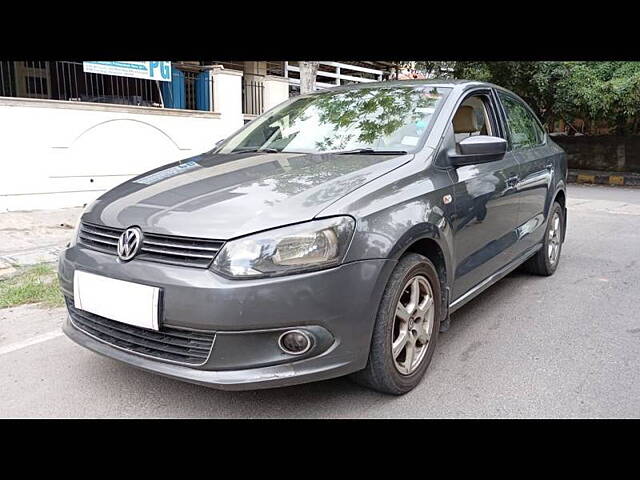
430, 248
433, 245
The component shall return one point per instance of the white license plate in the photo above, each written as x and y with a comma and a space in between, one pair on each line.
125, 302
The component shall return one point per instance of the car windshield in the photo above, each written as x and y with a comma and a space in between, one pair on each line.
390, 119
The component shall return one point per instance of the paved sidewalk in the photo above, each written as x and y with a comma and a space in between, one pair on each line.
31, 237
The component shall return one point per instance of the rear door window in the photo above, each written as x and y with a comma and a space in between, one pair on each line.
524, 130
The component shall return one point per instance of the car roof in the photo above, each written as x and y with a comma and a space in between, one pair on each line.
459, 85
411, 82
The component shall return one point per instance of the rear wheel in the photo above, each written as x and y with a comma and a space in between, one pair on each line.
545, 261
406, 329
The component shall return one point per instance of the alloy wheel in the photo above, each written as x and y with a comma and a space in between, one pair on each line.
413, 325
553, 246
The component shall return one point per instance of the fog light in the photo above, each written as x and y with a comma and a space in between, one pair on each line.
294, 342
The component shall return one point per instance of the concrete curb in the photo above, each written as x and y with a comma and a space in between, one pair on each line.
604, 178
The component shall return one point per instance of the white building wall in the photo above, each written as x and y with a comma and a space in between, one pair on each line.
57, 154
276, 91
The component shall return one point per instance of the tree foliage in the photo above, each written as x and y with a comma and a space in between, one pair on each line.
598, 93
370, 113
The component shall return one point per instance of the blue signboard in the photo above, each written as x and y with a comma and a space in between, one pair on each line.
148, 70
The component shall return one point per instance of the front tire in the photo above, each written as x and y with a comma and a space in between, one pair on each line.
406, 328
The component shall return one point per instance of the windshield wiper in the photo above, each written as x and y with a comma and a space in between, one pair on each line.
369, 151
265, 150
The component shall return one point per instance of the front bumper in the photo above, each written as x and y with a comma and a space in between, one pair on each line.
247, 316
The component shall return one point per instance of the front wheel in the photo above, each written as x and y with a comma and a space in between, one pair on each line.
406, 328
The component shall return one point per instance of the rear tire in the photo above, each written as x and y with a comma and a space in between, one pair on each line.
546, 260
406, 328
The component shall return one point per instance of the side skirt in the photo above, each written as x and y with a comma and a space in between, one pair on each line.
487, 282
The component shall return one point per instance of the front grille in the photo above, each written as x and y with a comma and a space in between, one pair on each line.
179, 250
99, 238
169, 344
184, 251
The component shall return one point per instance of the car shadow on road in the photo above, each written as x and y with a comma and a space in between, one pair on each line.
499, 292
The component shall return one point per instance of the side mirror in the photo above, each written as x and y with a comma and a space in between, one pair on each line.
478, 149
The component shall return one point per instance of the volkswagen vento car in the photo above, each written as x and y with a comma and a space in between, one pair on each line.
332, 235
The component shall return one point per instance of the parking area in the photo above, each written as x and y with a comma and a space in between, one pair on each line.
564, 346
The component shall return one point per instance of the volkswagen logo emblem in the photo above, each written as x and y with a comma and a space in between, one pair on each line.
129, 243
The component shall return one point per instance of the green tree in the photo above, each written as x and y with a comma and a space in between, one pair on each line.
606, 93
599, 93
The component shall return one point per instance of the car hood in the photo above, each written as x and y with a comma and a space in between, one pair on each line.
223, 196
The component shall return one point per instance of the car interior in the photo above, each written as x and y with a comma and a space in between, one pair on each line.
471, 119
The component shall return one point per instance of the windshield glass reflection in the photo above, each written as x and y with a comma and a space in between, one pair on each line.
371, 120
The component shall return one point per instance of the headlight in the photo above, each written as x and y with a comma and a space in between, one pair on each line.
76, 229
307, 246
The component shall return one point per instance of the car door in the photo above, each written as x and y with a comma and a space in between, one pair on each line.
486, 207
529, 143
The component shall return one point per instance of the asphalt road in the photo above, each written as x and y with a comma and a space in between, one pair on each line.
564, 346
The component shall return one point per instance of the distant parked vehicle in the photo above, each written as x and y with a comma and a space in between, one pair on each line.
332, 235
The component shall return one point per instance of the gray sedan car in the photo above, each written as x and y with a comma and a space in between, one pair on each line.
332, 235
